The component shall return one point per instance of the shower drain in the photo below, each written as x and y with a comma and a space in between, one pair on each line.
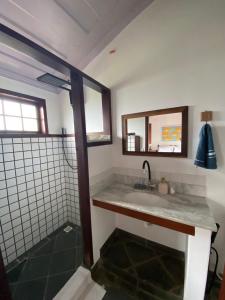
67, 229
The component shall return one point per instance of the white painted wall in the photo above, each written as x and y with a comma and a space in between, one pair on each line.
53, 105
103, 222
66, 112
173, 54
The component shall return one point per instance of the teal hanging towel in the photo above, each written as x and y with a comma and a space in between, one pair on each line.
206, 156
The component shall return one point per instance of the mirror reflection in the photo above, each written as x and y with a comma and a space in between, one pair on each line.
160, 133
94, 115
164, 133
156, 131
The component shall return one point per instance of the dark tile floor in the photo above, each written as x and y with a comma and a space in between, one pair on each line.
43, 271
134, 268
214, 294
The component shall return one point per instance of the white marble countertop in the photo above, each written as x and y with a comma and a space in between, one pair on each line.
185, 209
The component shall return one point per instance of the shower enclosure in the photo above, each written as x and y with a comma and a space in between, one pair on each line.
45, 221
40, 234
39, 191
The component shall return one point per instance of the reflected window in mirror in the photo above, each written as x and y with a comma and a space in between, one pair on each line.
156, 133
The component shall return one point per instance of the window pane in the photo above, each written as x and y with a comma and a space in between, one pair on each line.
2, 127
30, 124
0, 107
12, 108
29, 111
13, 123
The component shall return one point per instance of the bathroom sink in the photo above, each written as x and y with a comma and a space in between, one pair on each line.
145, 199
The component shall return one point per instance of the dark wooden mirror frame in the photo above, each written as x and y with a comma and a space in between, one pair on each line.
147, 114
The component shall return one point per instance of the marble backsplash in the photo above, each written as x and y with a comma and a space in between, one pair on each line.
100, 181
182, 183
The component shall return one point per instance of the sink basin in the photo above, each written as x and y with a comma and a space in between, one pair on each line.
145, 199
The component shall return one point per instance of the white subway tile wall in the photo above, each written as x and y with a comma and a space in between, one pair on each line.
38, 191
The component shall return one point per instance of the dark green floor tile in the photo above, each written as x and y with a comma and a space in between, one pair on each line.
121, 273
12, 289
127, 236
33, 276
102, 275
158, 292
54, 234
30, 290
138, 253
162, 249
116, 294
149, 288
214, 294
36, 247
118, 257
63, 261
126, 286
154, 273
65, 241
35, 268
14, 274
112, 240
11, 266
179, 290
175, 267
45, 249
55, 283
157, 270
143, 295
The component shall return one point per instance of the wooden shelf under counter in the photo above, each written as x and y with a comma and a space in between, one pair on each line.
180, 227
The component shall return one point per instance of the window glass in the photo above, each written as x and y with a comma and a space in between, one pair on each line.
30, 124
11, 108
29, 111
13, 123
2, 127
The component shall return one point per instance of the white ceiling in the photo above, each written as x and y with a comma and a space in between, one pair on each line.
75, 30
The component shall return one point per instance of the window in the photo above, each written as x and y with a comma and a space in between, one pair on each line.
22, 113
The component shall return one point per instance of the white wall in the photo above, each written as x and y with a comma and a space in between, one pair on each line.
173, 54
53, 105
103, 222
66, 112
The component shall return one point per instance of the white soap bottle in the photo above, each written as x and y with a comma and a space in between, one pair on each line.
163, 186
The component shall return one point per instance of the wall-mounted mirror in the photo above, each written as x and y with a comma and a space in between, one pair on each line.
97, 104
161, 132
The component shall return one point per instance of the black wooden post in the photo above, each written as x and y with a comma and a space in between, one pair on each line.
77, 101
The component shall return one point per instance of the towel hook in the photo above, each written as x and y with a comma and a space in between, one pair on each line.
206, 116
